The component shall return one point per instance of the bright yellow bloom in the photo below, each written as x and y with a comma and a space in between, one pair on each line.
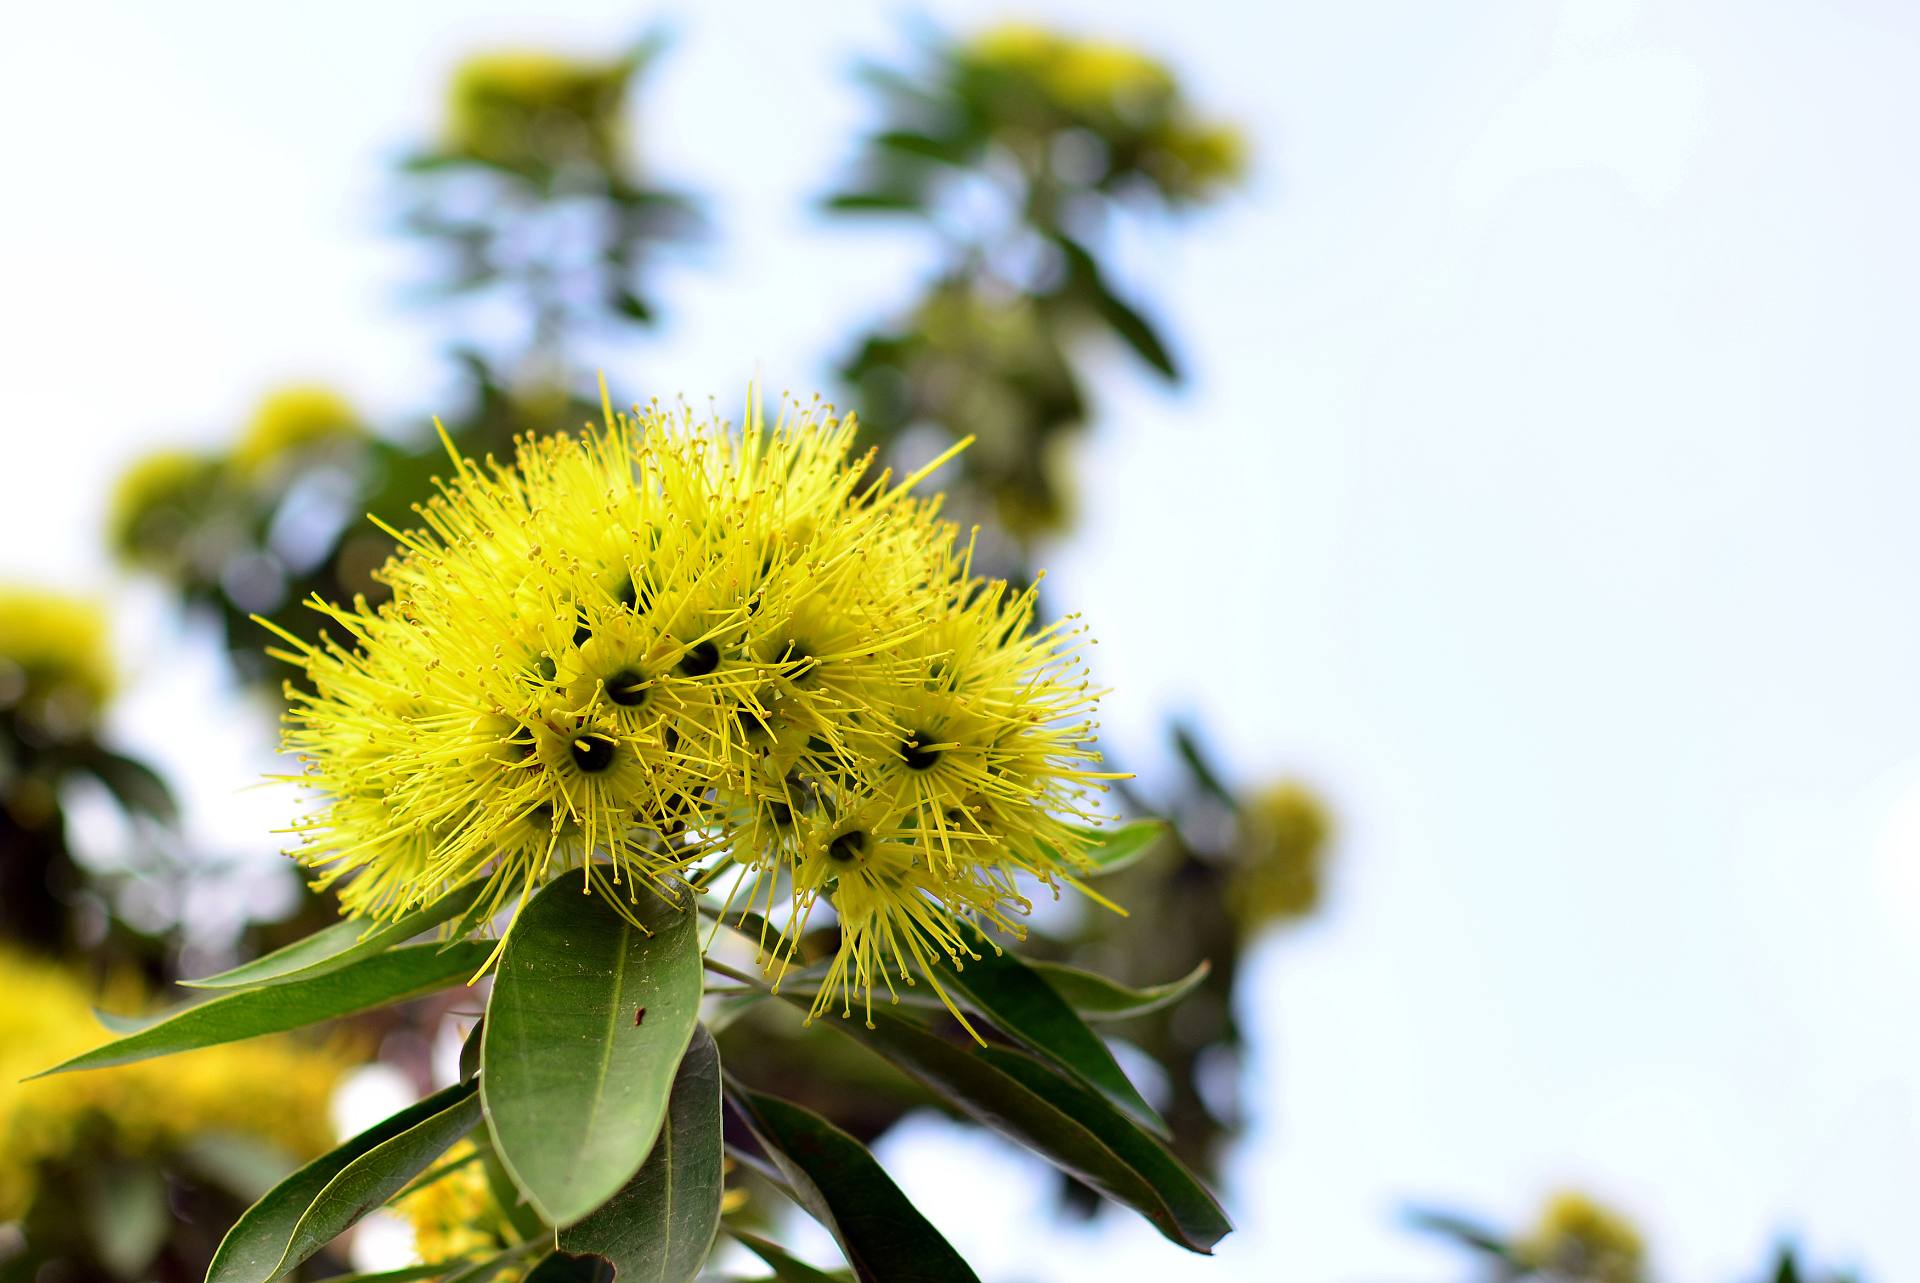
54, 655
659, 651
293, 419
269, 1089
1580, 1241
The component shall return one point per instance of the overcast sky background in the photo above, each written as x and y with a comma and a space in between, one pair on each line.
1546, 494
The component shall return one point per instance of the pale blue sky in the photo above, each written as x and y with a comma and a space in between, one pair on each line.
1546, 494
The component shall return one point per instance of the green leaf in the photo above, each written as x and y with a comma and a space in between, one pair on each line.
925, 146
134, 785
378, 981
563, 1267
1070, 1126
660, 1227
587, 1023
884, 1237
1098, 998
1112, 850
301, 1214
127, 1215
786, 1268
1135, 330
876, 202
1015, 998
333, 947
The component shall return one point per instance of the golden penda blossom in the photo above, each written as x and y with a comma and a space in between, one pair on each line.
660, 653
275, 1090
292, 420
55, 663
1581, 1241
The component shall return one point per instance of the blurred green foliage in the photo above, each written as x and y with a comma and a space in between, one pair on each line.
1017, 150
1575, 1239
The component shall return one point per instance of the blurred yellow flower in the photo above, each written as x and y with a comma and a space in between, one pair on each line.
153, 503
290, 419
455, 1216
1578, 1240
1283, 838
1086, 75
534, 112
53, 653
273, 1090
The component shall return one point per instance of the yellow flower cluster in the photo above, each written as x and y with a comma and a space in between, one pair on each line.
293, 418
455, 1215
1577, 1239
530, 111
661, 651
1281, 854
269, 1089
53, 650
1109, 86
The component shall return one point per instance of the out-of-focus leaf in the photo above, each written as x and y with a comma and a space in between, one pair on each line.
1070, 1126
303, 1213
378, 981
333, 947
660, 1227
1461, 1230
1187, 745
925, 146
588, 1021
884, 1237
1016, 999
633, 307
127, 1215
785, 1267
1136, 331
244, 1166
1098, 998
876, 202
134, 785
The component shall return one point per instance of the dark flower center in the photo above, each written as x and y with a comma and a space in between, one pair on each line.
848, 847
593, 753
701, 658
627, 688
915, 755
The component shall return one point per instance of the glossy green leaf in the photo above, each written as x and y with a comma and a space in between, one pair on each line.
1112, 850
1070, 1126
884, 1237
385, 978
1019, 1002
588, 1021
564, 1267
786, 1268
301, 1214
334, 947
1096, 997
660, 1227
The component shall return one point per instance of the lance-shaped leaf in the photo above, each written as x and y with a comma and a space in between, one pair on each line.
588, 1020
336, 946
1112, 850
884, 1236
660, 1227
378, 981
1070, 1126
1096, 997
1006, 991
301, 1214
786, 1268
